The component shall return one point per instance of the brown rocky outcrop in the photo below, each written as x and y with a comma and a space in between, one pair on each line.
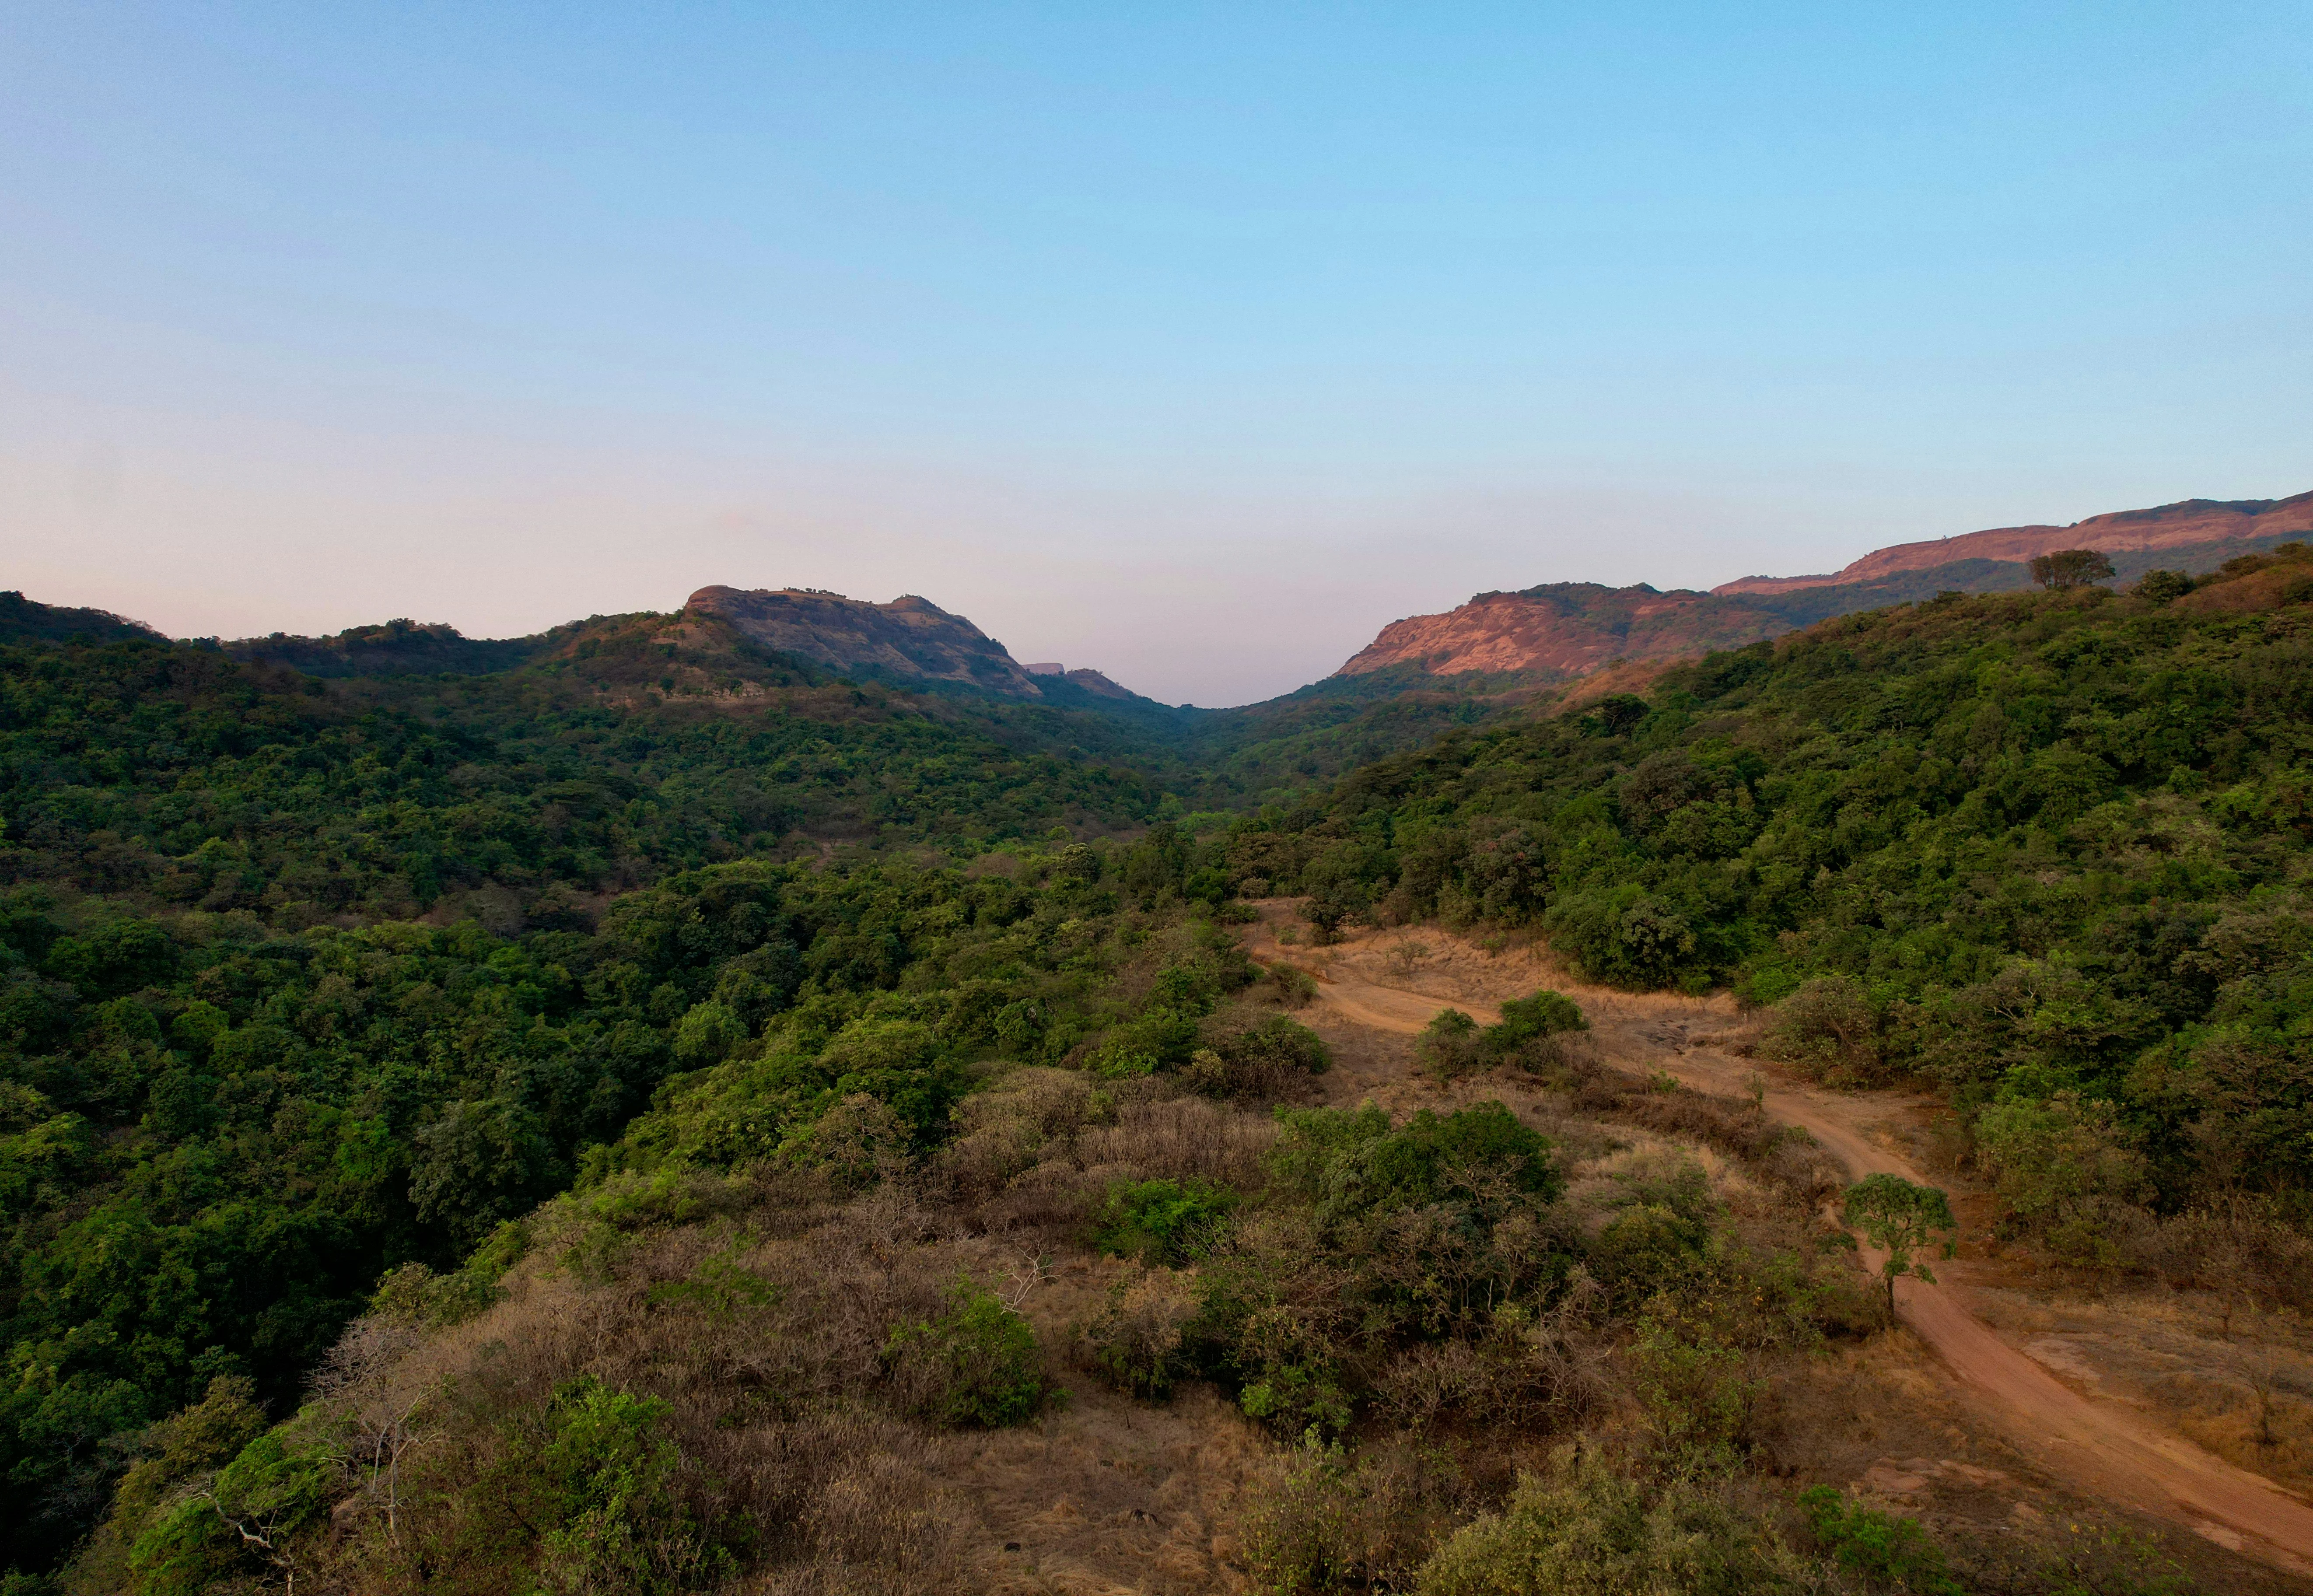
2169, 527
909, 637
1567, 628
1573, 628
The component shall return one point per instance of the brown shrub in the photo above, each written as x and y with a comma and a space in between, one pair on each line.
2238, 1245
1181, 1138
1784, 1155
1529, 1371
1324, 1520
1135, 1341
771, 1351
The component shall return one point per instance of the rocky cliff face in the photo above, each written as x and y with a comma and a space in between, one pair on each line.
909, 637
1565, 629
1572, 629
2181, 525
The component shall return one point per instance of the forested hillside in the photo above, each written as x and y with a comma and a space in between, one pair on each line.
2049, 851
301, 980
313, 991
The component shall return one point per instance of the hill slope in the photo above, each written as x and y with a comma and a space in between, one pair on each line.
1571, 628
2187, 524
909, 637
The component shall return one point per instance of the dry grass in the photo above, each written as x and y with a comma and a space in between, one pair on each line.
764, 1332
1038, 1150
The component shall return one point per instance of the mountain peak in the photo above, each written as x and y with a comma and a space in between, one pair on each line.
910, 639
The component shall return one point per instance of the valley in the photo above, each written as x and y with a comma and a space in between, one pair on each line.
909, 1123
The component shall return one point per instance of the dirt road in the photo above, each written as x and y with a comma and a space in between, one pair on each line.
2106, 1450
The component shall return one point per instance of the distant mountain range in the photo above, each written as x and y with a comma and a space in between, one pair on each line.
1498, 643
1572, 629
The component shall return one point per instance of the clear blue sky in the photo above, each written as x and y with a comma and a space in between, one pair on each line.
1191, 342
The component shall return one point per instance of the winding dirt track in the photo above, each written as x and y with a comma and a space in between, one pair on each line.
2107, 1451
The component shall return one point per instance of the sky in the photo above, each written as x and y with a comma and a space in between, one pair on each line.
1191, 342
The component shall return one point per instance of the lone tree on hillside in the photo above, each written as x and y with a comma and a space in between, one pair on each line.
1893, 1213
2070, 568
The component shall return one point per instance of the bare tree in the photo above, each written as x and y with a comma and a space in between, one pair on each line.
371, 1383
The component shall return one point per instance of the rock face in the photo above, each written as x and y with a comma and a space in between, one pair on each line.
1566, 627
909, 637
1571, 628
2169, 527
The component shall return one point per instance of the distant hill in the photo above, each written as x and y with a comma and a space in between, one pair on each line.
27, 621
2186, 525
1565, 630
401, 647
909, 642
910, 638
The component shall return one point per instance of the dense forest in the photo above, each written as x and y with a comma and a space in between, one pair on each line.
663, 967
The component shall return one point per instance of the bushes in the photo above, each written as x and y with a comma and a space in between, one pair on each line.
2063, 1166
1545, 1014
1830, 1028
604, 1472
1136, 1341
1583, 1525
977, 1364
1448, 1045
1453, 1044
1256, 1058
1377, 1238
1329, 1521
1161, 1039
244, 1519
1350, 1164
1881, 1546
1623, 936
1162, 1222
1697, 1395
1296, 988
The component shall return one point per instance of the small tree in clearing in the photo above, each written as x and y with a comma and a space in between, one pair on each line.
1904, 1219
2070, 568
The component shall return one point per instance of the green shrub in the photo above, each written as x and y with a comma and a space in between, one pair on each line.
1545, 1014
1623, 936
1161, 1039
1353, 1162
1698, 1398
1275, 1040
1255, 1057
1448, 1045
1882, 1548
611, 1517
1585, 1526
1829, 1027
1162, 1222
1333, 1520
1296, 987
245, 1521
975, 1365
2062, 1164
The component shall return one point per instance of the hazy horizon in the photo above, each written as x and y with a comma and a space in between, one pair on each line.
1192, 347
